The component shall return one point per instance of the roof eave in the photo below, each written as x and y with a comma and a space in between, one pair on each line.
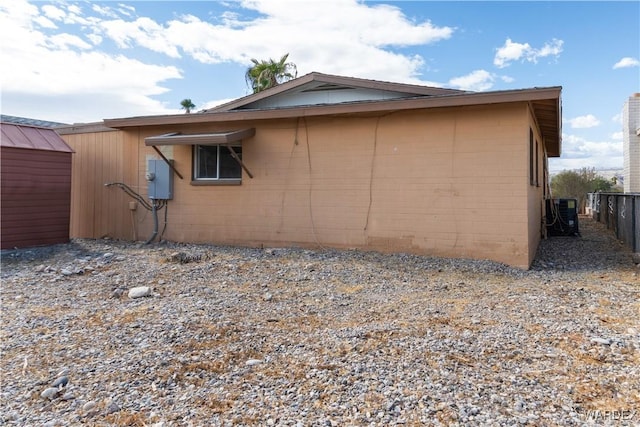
453, 100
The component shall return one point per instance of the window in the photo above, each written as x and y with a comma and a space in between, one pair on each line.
532, 180
215, 164
537, 165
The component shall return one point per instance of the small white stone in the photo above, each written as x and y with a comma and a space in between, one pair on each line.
50, 393
602, 341
253, 362
139, 292
89, 406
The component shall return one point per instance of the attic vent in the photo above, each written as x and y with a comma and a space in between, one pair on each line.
325, 87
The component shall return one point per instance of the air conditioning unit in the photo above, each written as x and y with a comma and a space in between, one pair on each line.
562, 217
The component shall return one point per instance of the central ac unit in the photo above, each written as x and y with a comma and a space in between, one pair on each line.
562, 217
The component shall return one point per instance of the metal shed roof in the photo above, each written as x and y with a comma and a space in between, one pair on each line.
32, 138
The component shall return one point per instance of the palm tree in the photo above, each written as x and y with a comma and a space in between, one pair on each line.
265, 74
187, 105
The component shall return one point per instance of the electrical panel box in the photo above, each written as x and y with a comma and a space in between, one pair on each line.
160, 179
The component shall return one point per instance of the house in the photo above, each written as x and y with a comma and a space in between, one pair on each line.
329, 161
36, 184
631, 143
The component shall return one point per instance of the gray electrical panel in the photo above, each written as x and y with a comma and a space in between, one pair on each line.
160, 179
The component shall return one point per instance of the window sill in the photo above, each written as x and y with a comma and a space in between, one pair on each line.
205, 182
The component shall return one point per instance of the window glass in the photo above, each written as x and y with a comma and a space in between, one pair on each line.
229, 167
215, 162
531, 154
207, 162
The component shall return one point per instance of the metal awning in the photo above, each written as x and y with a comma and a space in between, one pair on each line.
213, 138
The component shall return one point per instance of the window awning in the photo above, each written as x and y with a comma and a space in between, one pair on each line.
214, 138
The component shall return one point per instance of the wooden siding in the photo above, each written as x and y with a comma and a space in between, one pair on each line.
98, 211
35, 198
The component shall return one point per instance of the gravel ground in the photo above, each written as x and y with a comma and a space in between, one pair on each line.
108, 333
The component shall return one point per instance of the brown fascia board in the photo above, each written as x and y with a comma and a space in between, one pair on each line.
421, 102
83, 128
333, 79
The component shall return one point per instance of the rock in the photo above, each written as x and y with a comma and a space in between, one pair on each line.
117, 293
66, 272
60, 382
253, 362
267, 297
113, 407
107, 255
50, 393
139, 292
185, 258
601, 341
90, 405
68, 396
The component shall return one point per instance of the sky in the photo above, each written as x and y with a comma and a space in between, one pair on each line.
84, 61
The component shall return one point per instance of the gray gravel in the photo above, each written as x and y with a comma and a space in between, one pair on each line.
109, 333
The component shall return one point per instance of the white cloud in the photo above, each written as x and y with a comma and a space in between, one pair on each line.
583, 122
143, 32
617, 118
350, 32
578, 152
66, 41
104, 11
45, 22
71, 67
512, 51
478, 80
626, 62
617, 136
57, 70
125, 9
53, 12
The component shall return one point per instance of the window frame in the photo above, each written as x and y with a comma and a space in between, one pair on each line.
537, 164
198, 180
531, 158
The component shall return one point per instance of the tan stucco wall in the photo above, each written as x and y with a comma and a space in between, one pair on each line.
449, 182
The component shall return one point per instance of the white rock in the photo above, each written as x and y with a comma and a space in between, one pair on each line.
253, 362
89, 406
603, 341
50, 393
139, 292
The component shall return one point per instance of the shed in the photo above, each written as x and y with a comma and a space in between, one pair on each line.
332, 161
35, 166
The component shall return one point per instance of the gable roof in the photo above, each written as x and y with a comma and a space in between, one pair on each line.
301, 91
367, 97
31, 137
